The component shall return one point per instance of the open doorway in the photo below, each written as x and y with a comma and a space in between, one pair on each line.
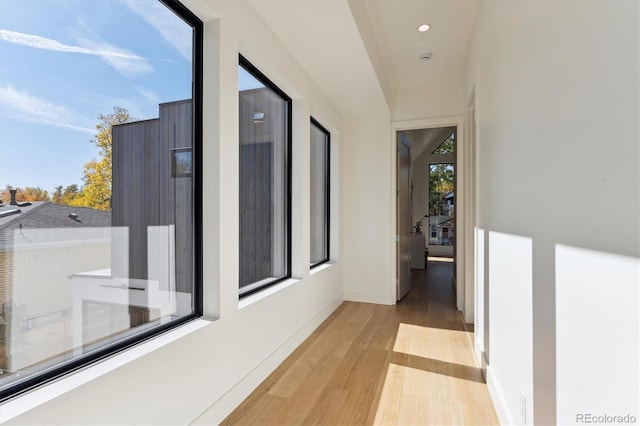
425, 202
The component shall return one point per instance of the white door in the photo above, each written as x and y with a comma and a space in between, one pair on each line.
403, 214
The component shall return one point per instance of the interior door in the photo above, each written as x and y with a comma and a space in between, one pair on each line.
403, 214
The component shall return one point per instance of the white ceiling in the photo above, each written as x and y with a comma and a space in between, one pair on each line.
323, 37
395, 26
361, 51
422, 140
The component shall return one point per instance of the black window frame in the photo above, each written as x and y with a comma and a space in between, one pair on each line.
327, 192
260, 76
67, 367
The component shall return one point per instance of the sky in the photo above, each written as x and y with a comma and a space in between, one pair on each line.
64, 62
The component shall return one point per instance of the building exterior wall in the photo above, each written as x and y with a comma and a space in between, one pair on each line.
148, 193
38, 299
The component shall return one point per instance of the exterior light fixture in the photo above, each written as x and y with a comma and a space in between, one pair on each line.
258, 117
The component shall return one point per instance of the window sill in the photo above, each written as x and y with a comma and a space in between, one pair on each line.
321, 267
23, 403
262, 294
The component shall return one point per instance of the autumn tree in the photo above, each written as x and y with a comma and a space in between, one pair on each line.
96, 190
67, 195
26, 194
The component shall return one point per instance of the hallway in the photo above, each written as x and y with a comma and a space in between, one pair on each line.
373, 364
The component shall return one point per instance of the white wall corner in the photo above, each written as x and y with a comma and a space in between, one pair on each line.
369, 297
499, 404
234, 396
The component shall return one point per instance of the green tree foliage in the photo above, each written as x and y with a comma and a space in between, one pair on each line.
441, 183
96, 190
446, 147
26, 194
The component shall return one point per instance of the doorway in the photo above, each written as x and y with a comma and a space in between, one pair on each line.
425, 201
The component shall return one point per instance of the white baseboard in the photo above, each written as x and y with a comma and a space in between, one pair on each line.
221, 408
477, 349
498, 401
368, 297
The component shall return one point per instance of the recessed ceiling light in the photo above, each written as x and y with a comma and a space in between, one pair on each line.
426, 57
424, 28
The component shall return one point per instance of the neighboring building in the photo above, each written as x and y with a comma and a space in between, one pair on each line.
41, 245
151, 190
260, 119
146, 194
441, 230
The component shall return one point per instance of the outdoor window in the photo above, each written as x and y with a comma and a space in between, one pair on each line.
319, 193
181, 162
100, 180
265, 180
442, 196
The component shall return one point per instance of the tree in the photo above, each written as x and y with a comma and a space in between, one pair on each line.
68, 195
96, 191
35, 194
57, 195
446, 147
441, 183
26, 194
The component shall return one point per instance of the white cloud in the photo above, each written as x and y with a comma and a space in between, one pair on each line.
149, 95
171, 28
23, 106
123, 60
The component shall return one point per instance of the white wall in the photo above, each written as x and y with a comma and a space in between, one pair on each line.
510, 369
201, 377
597, 324
557, 102
369, 274
430, 100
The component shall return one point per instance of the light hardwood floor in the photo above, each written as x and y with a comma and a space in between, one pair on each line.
408, 364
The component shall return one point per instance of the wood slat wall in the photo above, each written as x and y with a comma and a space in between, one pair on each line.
262, 186
135, 197
146, 194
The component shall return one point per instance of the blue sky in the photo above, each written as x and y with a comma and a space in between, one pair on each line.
64, 62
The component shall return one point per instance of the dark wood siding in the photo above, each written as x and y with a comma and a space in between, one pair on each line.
255, 212
262, 186
176, 199
145, 193
135, 203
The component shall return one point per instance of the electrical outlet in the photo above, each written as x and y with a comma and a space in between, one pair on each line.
523, 407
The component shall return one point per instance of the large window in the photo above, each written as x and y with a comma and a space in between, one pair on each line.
442, 196
265, 180
100, 180
319, 193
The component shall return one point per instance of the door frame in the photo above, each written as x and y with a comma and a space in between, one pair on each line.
400, 232
465, 291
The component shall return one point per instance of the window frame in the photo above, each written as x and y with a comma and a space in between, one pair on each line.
66, 367
327, 192
260, 76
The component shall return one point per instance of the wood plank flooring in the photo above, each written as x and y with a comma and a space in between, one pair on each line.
408, 364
